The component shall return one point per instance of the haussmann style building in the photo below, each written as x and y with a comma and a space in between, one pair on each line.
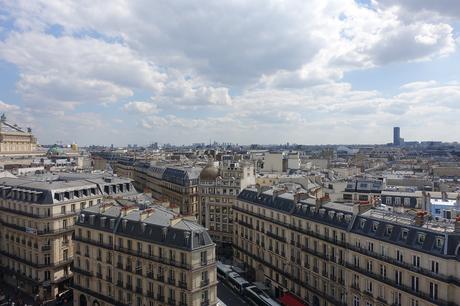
340, 254
127, 256
37, 225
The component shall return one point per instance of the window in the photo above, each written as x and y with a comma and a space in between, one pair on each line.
370, 247
416, 261
389, 230
369, 266
414, 282
399, 256
383, 271
433, 291
204, 296
397, 299
375, 225
204, 257
439, 242
398, 277
421, 238
355, 300
369, 286
434, 266
407, 202
404, 233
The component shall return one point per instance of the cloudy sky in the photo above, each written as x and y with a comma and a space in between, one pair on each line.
310, 72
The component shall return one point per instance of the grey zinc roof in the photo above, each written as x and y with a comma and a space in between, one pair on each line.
335, 215
155, 228
285, 203
44, 189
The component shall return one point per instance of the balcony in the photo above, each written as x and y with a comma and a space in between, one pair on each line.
171, 301
99, 275
183, 284
81, 271
120, 283
275, 236
205, 303
204, 282
160, 278
150, 274
160, 298
150, 294
129, 286
46, 248
139, 271
119, 265
139, 290
108, 278
171, 281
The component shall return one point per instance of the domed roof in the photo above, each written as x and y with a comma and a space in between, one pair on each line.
55, 150
209, 173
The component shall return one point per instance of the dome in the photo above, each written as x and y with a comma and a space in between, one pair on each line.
209, 173
55, 150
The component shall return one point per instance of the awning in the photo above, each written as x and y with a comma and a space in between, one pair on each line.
288, 299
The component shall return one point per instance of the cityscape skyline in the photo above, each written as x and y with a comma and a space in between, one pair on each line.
318, 72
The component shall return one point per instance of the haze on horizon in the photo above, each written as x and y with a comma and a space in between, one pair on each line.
306, 72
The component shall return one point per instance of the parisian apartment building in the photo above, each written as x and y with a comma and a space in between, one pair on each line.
125, 255
37, 225
220, 183
176, 184
340, 254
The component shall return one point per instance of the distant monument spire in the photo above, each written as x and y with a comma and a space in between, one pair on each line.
3, 117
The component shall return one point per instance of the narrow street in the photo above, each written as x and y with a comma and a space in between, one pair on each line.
230, 298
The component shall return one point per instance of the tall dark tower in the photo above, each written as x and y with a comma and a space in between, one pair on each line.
396, 136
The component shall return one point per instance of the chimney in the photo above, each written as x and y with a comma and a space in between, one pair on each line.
259, 189
444, 196
296, 198
428, 202
420, 218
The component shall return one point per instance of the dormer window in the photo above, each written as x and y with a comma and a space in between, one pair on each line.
375, 225
421, 238
439, 242
389, 230
404, 233
362, 222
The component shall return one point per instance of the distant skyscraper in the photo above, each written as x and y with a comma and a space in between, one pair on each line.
396, 136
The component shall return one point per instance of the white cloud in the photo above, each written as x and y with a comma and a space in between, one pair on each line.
5, 107
232, 68
141, 107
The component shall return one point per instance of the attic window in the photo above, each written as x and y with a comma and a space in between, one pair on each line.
112, 223
389, 230
362, 222
421, 238
375, 225
439, 242
404, 233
